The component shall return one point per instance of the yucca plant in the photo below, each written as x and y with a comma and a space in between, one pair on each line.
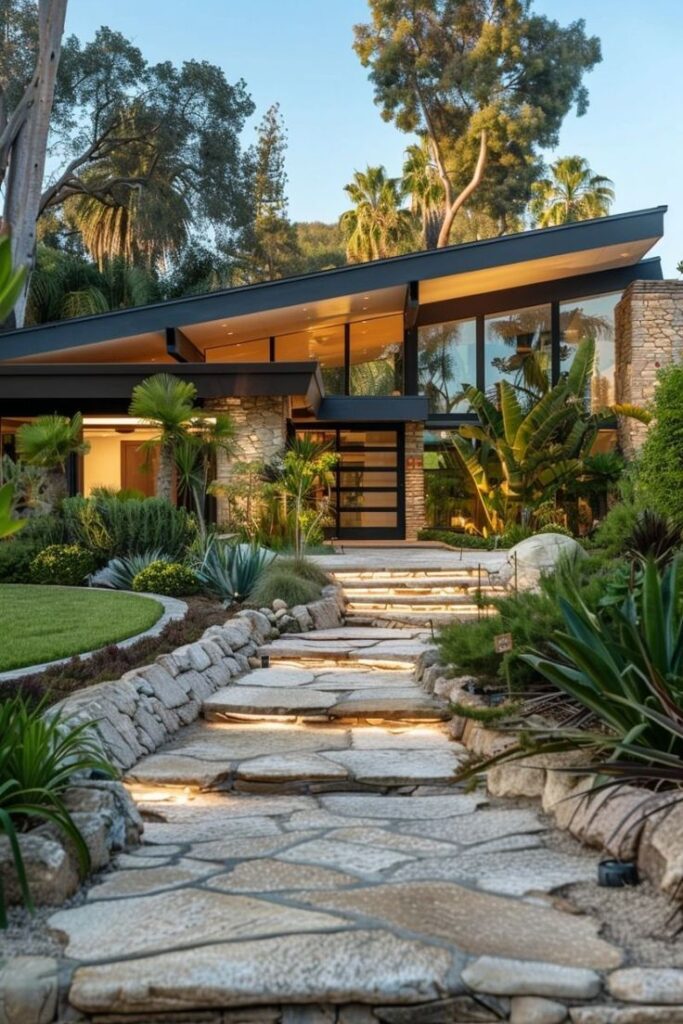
39, 756
230, 571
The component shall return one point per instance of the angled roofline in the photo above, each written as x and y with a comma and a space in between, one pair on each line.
392, 272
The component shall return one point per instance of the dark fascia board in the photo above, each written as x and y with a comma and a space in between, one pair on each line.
361, 409
54, 384
584, 285
397, 271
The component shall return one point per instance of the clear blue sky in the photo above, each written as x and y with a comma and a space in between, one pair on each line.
298, 52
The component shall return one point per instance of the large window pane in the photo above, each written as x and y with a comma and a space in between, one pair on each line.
447, 362
517, 347
325, 345
376, 363
359, 519
591, 318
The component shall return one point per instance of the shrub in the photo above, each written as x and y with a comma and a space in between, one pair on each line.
170, 578
305, 569
64, 565
39, 754
113, 528
283, 584
613, 533
232, 570
659, 479
15, 560
455, 539
119, 573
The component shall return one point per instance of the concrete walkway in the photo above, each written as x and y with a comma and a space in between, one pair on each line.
308, 857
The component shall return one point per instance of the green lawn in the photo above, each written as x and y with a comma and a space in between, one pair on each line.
40, 624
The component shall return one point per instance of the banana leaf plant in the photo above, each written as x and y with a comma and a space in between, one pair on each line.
11, 280
525, 452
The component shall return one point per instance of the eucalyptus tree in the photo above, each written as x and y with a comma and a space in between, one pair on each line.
572, 192
141, 152
485, 83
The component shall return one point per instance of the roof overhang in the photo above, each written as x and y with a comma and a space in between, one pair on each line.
356, 292
360, 409
106, 388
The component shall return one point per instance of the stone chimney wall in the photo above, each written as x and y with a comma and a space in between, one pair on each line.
648, 336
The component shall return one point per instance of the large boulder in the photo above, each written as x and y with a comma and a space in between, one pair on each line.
535, 556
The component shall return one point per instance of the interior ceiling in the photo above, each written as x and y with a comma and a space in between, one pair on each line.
291, 319
550, 268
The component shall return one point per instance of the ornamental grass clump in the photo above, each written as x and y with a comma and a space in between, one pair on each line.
39, 756
283, 585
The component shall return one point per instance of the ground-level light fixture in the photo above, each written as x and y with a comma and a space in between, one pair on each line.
615, 874
265, 661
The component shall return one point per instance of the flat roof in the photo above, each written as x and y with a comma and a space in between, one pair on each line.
364, 292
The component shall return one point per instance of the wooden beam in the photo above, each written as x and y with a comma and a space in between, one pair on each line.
180, 348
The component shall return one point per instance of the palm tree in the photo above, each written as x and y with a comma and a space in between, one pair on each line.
572, 192
167, 404
422, 184
377, 226
48, 442
195, 456
143, 220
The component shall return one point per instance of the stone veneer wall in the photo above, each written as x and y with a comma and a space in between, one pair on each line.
415, 479
260, 433
648, 336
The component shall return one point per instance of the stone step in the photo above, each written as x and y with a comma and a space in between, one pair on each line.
381, 597
403, 616
417, 581
244, 703
294, 757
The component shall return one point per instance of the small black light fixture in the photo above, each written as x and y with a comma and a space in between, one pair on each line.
265, 661
615, 874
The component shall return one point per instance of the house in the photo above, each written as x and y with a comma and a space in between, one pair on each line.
371, 358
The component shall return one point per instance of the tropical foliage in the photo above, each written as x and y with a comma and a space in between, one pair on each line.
230, 571
167, 404
11, 280
304, 482
377, 225
527, 449
39, 755
48, 442
659, 478
572, 192
8, 524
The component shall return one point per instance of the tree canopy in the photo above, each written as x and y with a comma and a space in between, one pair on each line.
486, 83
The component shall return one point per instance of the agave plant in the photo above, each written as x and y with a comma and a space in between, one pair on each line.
524, 453
39, 755
231, 570
625, 668
119, 573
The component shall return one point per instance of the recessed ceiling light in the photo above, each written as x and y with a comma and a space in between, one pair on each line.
230, 333
624, 253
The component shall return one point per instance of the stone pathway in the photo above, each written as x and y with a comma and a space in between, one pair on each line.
306, 848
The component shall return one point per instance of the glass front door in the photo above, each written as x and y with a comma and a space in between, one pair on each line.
369, 489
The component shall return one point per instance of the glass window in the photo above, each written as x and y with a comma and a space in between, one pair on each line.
517, 347
359, 519
447, 362
325, 345
591, 318
257, 351
376, 357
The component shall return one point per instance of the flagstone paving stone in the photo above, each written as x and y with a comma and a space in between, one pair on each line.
178, 919
353, 966
379, 891
476, 922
